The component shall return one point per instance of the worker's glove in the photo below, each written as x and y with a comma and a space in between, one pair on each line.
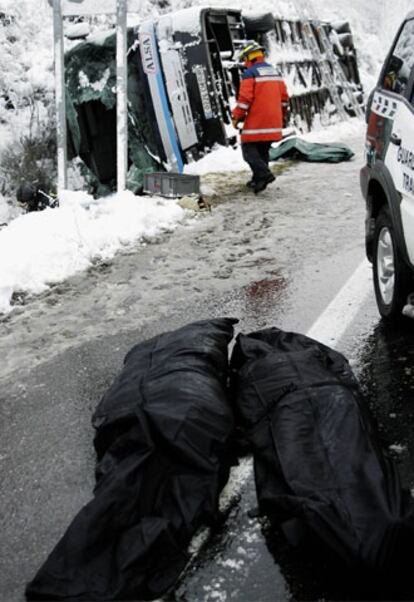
286, 116
235, 122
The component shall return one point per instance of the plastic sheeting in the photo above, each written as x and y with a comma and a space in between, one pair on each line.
91, 105
296, 148
318, 469
162, 437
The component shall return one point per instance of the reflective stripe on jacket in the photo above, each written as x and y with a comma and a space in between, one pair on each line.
263, 97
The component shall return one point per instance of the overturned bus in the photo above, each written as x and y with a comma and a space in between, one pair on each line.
179, 93
183, 78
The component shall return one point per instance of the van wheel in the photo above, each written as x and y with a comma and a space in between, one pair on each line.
392, 278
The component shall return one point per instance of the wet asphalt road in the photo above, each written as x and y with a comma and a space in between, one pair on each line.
273, 260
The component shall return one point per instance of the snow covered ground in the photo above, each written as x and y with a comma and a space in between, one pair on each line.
39, 249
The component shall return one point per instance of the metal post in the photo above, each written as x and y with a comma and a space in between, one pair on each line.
60, 96
121, 94
63, 8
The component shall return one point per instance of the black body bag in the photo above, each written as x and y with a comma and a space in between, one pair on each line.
318, 469
162, 434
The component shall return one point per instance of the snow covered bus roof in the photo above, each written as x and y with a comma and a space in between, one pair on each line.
186, 19
189, 20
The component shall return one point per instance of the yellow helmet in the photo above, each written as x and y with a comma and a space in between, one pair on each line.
251, 51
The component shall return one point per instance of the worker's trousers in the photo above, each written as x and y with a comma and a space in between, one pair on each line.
256, 154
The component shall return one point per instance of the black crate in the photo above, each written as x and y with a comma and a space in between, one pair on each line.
172, 185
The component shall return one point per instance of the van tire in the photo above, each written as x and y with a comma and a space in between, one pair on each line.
392, 277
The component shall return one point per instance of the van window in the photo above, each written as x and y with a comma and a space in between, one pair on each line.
401, 62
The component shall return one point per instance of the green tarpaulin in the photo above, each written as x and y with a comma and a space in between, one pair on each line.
295, 148
91, 111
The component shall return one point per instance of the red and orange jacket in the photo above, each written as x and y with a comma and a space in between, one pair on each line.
263, 100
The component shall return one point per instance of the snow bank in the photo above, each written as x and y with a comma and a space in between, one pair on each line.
41, 248
221, 159
338, 132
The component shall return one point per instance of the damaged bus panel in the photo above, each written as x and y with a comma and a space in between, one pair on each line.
189, 85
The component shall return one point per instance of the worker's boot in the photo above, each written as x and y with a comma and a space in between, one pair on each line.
261, 184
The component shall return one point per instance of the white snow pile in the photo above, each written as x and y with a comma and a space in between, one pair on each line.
41, 248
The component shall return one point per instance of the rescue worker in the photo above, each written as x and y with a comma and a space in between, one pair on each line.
262, 106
